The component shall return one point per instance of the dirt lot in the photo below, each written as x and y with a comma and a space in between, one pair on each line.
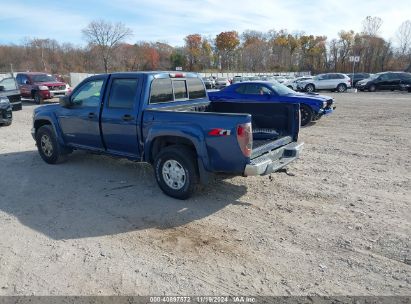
339, 224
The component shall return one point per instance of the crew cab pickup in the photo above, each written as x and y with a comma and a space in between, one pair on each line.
167, 120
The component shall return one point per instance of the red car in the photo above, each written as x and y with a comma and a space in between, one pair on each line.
40, 86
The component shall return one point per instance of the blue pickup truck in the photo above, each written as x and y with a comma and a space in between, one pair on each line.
167, 120
312, 105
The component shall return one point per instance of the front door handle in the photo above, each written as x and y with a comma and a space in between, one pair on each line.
127, 117
91, 115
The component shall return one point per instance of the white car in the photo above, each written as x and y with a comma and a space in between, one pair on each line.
292, 83
221, 83
330, 81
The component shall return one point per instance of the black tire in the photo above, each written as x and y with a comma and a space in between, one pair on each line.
49, 149
309, 88
372, 88
341, 88
37, 98
306, 115
183, 160
6, 124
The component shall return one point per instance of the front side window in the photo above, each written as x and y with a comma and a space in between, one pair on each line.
89, 94
123, 93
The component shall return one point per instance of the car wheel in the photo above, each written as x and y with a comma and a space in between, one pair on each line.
341, 88
309, 88
6, 124
49, 149
372, 88
176, 171
37, 98
306, 115
290, 87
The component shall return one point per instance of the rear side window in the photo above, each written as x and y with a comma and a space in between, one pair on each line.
195, 88
161, 91
180, 89
123, 93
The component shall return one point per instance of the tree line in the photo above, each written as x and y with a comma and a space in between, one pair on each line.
250, 51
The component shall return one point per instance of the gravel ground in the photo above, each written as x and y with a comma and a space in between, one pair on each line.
339, 223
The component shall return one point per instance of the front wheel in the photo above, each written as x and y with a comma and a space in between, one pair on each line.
37, 98
176, 171
372, 88
309, 88
49, 149
306, 115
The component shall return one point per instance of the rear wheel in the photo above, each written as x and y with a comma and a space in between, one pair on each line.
341, 88
309, 88
37, 98
49, 149
176, 171
306, 115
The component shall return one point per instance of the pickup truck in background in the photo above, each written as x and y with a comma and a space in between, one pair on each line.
167, 120
40, 86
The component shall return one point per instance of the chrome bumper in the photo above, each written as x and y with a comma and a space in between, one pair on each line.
274, 160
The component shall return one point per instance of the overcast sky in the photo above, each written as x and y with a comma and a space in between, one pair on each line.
171, 20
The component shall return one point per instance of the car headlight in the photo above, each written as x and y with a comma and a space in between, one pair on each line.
43, 88
4, 100
324, 104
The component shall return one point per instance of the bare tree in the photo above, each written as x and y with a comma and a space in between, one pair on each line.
404, 37
371, 25
106, 37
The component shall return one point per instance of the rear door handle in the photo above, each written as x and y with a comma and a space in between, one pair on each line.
127, 117
91, 115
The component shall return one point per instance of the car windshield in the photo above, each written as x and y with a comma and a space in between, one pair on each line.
42, 78
281, 89
373, 76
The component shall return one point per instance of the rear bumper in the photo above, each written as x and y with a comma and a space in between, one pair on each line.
274, 160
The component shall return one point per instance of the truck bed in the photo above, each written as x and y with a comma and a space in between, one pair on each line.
274, 124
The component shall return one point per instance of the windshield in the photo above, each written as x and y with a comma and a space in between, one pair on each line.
373, 76
42, 78
281, 89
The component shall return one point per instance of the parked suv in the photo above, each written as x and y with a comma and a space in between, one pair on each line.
40, 86
9, 90
386, 81
358, 77
330, 81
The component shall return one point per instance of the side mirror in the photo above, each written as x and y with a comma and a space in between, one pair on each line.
65, 101
2, 88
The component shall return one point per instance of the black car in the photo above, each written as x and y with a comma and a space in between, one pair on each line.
9, 89
357, 77
386, 81
6, 115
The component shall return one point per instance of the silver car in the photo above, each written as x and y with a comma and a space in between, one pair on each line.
293, 83
330, 81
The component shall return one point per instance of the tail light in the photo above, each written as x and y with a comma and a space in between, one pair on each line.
245, 138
